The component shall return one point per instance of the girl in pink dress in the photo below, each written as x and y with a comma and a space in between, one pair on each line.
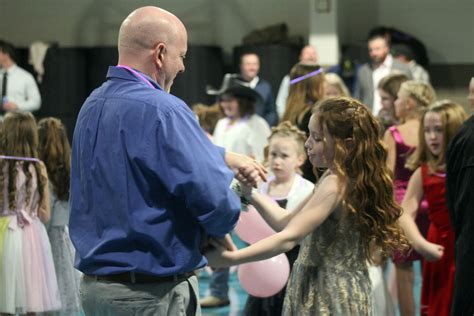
28, 281
412, 98
438, 126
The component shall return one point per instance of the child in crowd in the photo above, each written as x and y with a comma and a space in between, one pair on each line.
306, 88
388, 90
412, 98
244, 132
285, 155
439, 125
55, 152
28, 282
208, 116
334, 86
352, 209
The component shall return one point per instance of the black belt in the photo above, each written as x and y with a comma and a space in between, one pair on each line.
132, 277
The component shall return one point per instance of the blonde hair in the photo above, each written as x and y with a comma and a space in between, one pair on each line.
452, 117
360, 165
421, 92
286, 129
303, 94
336, 81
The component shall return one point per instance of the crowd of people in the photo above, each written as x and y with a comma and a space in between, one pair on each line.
150, 190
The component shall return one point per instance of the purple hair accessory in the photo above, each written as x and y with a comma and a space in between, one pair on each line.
314, 73
19, 158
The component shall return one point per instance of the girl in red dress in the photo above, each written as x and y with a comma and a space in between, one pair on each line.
438, 126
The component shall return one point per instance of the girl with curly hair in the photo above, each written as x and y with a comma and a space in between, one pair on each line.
350, 211
28, 281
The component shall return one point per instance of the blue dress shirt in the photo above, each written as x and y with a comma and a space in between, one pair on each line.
146, 182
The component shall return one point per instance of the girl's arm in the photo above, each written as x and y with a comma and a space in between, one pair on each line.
410, 204
275, 216
319, 207
391, 149
44, 207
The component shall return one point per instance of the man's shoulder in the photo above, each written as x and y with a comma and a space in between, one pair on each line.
22, 72
398, 65
365, 70
161, 102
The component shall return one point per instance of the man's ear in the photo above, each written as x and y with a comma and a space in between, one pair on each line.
159, 54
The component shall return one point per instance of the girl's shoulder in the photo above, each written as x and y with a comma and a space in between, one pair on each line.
328, 184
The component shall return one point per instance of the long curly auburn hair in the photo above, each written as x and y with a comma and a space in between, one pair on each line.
55, 151
360, 165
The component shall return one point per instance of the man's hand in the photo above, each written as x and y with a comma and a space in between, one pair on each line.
10, 106
225, 242
218, 256
246, 170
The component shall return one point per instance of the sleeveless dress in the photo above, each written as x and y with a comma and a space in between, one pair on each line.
438, 277
330, 276
27, 277
63, 255
402, 176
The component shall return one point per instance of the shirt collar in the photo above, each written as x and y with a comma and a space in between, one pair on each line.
122, 73
387, 63
253, 82
9, 70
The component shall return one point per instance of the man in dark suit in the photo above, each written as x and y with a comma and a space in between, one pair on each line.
370, 74
459, 184
249, 69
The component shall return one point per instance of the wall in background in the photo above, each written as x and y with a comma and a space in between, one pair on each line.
445, 26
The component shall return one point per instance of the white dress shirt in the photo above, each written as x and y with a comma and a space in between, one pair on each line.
377, 75
21, 88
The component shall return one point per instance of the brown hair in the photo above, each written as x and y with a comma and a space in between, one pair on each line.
391, 83
303, 94
207, 116
452, 117
55, 151
19, 138
360, 166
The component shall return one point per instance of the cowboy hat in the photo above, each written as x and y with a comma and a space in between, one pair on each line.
234, 85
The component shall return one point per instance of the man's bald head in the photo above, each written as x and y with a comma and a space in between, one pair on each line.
308, 54
147, 26
153, 41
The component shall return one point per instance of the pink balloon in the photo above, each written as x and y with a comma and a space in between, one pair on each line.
265, 278
251, 227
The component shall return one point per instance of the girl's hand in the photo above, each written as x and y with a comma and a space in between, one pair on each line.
218, 256
431, 252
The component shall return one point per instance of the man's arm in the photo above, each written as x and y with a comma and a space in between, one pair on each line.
194, 172
32, 100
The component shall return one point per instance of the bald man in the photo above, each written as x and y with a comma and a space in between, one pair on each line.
147, 186
308, 54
